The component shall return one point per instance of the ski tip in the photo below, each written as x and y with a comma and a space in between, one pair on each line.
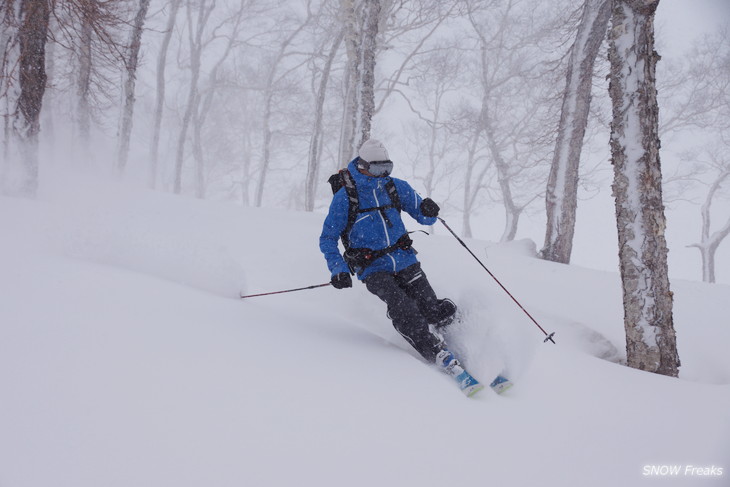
500, 384
503, 388
472, 390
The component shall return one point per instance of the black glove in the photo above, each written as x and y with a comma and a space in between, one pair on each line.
429, 208
341, 280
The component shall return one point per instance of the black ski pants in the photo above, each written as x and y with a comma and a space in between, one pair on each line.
412, 306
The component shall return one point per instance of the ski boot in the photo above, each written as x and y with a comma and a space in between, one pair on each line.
452, 367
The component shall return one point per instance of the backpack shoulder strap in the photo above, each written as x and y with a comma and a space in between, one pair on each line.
393, 193
348, 182
354, 204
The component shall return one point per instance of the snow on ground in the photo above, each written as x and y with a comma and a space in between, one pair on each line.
127, 360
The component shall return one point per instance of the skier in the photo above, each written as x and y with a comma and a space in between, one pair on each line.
378, 249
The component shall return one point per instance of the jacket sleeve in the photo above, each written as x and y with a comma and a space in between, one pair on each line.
410, 200
334, 224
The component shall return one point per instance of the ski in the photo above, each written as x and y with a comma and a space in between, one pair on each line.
500, 384
452, 367
468, 384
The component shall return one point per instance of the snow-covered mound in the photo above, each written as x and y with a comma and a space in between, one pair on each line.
126, 359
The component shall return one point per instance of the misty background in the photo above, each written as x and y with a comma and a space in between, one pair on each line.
242, 81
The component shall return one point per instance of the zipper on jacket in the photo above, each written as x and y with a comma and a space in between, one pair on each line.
385, 226
385, 229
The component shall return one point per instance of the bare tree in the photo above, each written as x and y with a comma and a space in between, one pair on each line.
130, 76
472, 185
650, 336
24, 25
47, 114
353, 73
269, 91
476, 164
84, 30
695, 98
368, 49
204, 101
512, 111
435, 79
316, 143
8, 73
694, 90
431, 77
411, 24
89, 52
196, 28
561, 199
710, 240
89, 33
362, 20
83, 80
160, 92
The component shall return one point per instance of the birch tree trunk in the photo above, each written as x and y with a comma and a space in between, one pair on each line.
650, 336
160, 95
130, 75
369, 51
353, 44
315, 145
561, 199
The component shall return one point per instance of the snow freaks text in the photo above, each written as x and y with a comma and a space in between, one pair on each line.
682, 471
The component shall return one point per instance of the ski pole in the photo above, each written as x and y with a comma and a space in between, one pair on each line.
287, 291
548, 335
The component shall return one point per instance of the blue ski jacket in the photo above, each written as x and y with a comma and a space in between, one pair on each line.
371, 230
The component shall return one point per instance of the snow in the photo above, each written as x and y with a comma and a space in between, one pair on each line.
126, 359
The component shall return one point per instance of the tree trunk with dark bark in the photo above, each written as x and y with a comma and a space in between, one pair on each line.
31, 35
83, 86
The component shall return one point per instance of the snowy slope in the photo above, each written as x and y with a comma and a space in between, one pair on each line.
126, 360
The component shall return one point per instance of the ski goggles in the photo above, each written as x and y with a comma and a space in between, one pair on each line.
379, 169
